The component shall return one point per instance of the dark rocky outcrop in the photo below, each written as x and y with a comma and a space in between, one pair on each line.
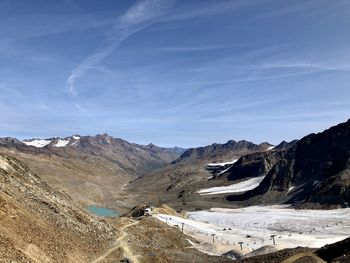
253, 165
138, 211
337, 252
317, 167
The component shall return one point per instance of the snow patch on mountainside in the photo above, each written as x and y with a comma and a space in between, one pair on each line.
270, 148
217, 165
244, 186
61, 143
222, 164
291, 189
224, 171
37, 143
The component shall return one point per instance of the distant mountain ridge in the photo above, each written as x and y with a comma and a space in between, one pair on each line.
217, 150
124, 153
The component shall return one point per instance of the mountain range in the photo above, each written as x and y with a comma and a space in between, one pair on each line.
91, 169
105, 170
310, 172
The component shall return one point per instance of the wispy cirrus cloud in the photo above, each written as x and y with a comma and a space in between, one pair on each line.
300, 64
137, 17
81, 108
10, 91
192, 48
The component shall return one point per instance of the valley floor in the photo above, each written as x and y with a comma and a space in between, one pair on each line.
220, 230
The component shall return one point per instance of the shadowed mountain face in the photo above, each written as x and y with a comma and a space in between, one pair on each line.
39, 223
253, 165
314, 171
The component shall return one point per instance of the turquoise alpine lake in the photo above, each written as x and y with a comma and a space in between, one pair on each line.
102, 211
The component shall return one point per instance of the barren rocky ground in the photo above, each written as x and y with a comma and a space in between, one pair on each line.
41, 224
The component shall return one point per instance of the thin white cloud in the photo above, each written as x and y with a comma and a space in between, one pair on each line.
310, 8
139, 16
303, 65
255, 78
250, 71
11, 91
79, 107
144, 11
87, 64
43, 107
191, 49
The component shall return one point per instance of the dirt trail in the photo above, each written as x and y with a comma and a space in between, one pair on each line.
297, 256
121, 243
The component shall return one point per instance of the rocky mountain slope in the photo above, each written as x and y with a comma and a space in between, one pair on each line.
39, 223
315, 171
91, 169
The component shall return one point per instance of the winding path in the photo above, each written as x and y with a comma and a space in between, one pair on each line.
121, 243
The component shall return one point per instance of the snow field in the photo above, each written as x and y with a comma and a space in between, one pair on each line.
233, 188
61, 143
37, 143
255, 225
270, 148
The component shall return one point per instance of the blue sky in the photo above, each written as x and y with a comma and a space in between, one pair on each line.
170, 72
